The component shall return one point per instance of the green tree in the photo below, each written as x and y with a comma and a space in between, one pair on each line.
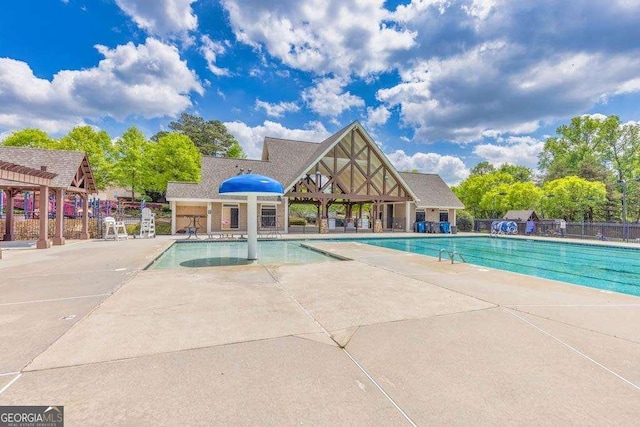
173, 158
30, 138
482, 168
211, 137
515, 196
472, 191
235, 151
131, 168
99, 149
519, 173
575, 151
573, 198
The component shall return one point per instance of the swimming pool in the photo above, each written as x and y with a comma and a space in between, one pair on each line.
602, 267
212, 254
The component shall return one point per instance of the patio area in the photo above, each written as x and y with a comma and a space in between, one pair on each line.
387, 338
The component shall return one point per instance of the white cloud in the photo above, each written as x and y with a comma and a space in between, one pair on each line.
322, 36
277, 110
377, 116
252, 138
210, 50
464, 96
521, 151
163, 18
328, 98
451, 169
147, 80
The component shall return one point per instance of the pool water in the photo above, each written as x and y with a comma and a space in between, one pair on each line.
211, 254
602, 267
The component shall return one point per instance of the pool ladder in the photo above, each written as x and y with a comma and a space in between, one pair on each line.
451, 255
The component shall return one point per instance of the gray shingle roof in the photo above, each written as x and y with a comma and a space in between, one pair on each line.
63, 163
431, 190
285, 160
522, 215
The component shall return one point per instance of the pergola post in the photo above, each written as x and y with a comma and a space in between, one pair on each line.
84, 234
9, 234
43, 237
58, 234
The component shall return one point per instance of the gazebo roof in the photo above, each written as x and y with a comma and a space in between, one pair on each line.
71, 169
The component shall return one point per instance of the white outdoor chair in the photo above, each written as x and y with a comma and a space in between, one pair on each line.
115, 230
147, 223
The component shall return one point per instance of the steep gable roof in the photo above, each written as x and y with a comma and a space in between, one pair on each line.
431, 190
289, 155
64, 163
325, 146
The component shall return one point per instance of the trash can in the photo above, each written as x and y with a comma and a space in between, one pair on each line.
445, 227
454, 229
421, 227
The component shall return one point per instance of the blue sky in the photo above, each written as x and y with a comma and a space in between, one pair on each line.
439, 84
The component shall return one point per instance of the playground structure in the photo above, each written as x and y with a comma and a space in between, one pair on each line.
72, 206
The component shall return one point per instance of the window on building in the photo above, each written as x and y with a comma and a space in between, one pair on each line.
420, 216
444, 216
268, 216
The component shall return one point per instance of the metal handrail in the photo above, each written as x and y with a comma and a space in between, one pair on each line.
452, 255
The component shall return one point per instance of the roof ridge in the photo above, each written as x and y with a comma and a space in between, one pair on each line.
291, 140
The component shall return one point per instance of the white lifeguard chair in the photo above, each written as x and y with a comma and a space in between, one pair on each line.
115, 230
147, 223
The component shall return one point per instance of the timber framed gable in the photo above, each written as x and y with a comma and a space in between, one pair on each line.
351, 169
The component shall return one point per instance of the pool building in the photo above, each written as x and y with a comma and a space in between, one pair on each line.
347, 168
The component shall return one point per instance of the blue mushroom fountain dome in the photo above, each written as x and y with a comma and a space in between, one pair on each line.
251, 184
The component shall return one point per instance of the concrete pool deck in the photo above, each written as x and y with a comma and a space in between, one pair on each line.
388, 338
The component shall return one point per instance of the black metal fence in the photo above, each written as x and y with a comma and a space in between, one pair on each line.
29, 229
613, 231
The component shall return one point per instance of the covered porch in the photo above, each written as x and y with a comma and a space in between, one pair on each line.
353, 173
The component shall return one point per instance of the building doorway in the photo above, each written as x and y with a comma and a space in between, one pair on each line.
230, 216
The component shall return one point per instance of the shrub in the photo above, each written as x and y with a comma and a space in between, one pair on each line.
297, 221
464, 221
163, 228
132, 229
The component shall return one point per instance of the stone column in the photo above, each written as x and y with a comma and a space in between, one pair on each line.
324, 226
43, 237
84, 235
58, 234
377, 222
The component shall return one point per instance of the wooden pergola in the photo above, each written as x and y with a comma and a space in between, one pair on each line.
44, 171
